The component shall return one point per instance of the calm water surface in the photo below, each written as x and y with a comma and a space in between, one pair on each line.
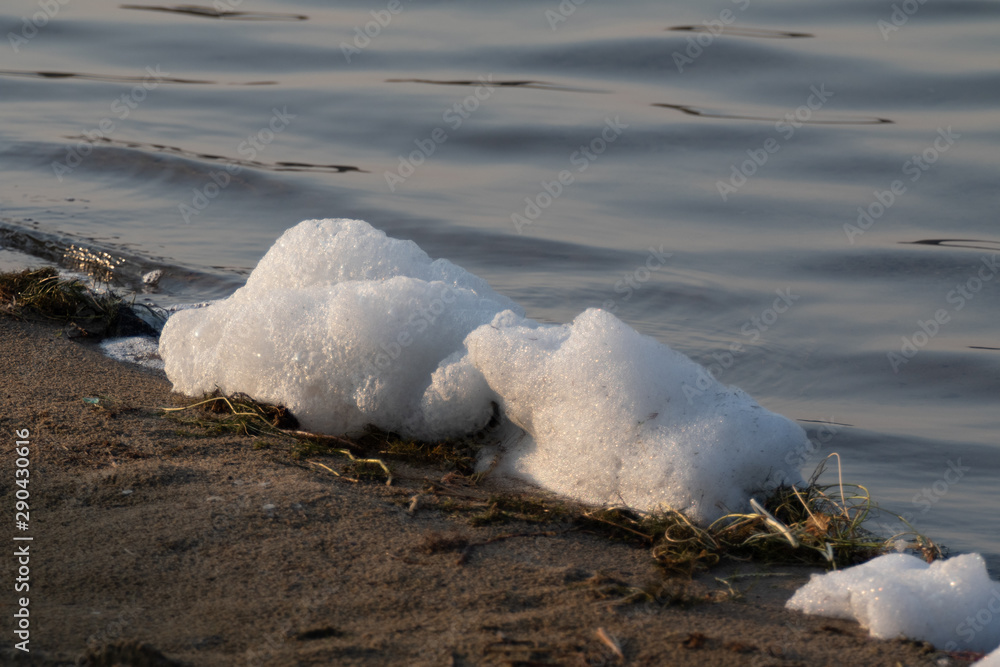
563, 156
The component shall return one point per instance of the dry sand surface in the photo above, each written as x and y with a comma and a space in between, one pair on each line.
156, 547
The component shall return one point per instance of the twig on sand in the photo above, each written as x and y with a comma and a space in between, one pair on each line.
610, 642
354, 459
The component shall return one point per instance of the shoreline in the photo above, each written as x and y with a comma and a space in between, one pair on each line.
220, 550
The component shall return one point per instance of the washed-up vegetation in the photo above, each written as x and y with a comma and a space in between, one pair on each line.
816, 524
43, 295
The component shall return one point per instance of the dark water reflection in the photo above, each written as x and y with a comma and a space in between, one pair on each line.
450, 124
216, 13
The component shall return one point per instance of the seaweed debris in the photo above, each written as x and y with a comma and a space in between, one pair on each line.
43, 295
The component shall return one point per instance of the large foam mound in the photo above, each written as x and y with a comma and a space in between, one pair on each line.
608, 421
346, 327
951, 603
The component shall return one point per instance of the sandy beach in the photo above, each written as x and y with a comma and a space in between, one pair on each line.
156, 544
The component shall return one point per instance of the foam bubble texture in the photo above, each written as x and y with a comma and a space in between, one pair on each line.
951, 603
609, 421
345, 327
141, 350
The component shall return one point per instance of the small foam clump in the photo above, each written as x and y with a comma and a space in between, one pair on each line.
609, 422
141, 350
347, 327
951, 603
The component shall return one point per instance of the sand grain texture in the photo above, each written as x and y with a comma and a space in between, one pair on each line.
154, 548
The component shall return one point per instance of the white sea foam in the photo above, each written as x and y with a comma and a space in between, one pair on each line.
347, 327
141, 350
608, 421
951, 603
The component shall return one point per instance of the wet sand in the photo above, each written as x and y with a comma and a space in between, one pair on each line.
155, 544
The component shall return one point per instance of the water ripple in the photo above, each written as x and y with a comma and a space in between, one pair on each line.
705, 113
270, 166
120, 78
214, 13
959, 243
736, 31
537, 85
